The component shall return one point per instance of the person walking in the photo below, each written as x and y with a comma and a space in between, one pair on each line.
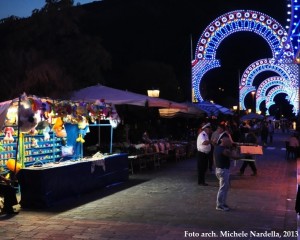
203, 154
251, 138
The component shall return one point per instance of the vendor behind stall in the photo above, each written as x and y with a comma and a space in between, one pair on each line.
145, 138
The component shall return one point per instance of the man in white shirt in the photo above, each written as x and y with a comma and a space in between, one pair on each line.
204, 148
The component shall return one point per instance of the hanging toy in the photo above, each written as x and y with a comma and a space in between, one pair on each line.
8, 134
59, 128
45, 110
80, 138
27, 120
44, 128
34, 143
46, 133
83, 129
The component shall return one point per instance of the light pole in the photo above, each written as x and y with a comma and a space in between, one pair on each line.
254, 102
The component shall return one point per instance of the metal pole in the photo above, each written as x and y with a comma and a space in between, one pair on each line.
239, 104
18, 139
99, 135
111, 139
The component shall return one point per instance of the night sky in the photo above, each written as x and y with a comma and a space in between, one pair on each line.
166, 32
23, 8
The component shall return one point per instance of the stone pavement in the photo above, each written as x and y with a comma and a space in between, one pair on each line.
167, 203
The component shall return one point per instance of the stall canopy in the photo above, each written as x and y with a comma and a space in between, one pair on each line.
119, 97
190, 112
213, 109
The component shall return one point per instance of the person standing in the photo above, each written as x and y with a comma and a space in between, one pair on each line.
271, 131
222, 155
145, 138
223, 133
203, 154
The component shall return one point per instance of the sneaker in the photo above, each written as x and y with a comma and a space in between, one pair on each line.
222, 208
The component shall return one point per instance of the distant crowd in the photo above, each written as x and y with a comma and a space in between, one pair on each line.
263, 130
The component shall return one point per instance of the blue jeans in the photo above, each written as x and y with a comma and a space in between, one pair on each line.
223, 176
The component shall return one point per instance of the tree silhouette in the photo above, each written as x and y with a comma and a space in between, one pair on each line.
49, 53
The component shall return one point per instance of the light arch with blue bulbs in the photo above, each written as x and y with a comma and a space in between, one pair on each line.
261, 24
227, 24
273, 92
288, 73
265, 86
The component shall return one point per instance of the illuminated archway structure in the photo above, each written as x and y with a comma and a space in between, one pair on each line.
265, 86
294, 25
273, 92
281, 63
287, 72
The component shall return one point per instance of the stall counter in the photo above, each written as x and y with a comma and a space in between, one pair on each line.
46, 185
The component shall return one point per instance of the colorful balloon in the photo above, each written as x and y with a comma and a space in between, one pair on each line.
11, 164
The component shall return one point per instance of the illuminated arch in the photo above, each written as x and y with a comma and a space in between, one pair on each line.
242, 20
263, 88
294, 25
288, 71
267, 65
225, 25
273, 92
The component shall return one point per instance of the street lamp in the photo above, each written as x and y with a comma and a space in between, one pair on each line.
253, 99
153, 93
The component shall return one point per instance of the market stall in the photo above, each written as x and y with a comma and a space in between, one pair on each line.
48, 185
43, 138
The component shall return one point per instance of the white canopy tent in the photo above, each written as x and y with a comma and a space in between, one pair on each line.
190, 112
119, 97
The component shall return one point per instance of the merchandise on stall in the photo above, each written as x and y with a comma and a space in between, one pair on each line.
36, 131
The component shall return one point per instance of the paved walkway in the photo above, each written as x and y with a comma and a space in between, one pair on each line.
167, 203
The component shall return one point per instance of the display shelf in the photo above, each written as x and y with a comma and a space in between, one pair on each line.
36, 149
8, 151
